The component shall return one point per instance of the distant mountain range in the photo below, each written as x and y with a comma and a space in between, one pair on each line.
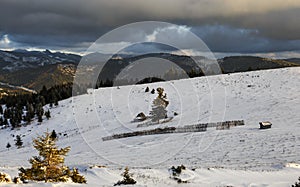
251, 63
294, 60
11, 61
33, 69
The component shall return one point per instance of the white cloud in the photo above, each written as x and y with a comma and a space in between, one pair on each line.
4, 41
107, 48
168, 32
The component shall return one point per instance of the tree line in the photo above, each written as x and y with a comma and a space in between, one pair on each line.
19, 109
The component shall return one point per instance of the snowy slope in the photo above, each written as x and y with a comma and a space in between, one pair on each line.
241, 156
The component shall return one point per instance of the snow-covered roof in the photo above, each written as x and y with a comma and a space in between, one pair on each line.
264, 123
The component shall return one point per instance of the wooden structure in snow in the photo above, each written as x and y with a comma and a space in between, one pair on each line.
182, 129
265, 125
140, 117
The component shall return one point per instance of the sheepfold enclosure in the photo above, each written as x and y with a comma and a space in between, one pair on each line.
185, 129
227, 124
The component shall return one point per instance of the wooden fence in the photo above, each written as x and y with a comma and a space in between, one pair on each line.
184, 129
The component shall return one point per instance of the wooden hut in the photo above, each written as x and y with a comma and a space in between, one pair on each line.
140, 117
265, 125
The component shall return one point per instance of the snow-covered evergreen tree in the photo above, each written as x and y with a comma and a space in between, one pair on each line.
47, 114
49, 165
5, 178
8, 145
127, 178
19, 142
53, 135
76, 177
159, 106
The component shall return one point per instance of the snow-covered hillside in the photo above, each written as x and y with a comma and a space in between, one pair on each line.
241, 156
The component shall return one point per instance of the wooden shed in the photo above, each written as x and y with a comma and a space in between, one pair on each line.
265, 125
140, 117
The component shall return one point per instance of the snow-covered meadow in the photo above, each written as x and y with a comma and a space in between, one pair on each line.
241, 156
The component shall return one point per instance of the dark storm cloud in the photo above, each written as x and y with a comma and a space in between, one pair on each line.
226, 26
229, 39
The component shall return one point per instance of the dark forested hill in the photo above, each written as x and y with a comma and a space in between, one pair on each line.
34, 69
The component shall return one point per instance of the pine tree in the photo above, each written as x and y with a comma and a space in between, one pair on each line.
158, 110
44, 91
297, 184
8, 146
13, 123
159, 106
53, 135
127, 178
4, 178
76, 177
18, 141
147, 89
49, 165
39, 110
6, 113
5, 122
47, 114
30, 112
40, 119
27, 118
1, 109
42, 100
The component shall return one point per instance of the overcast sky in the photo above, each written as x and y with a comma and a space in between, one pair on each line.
269, 27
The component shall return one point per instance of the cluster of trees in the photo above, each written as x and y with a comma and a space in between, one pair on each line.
171, 74
16, 113
18, 142
45, 96
106, 83
24, 108
297, 184
56, 93
195, 73
175, 173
